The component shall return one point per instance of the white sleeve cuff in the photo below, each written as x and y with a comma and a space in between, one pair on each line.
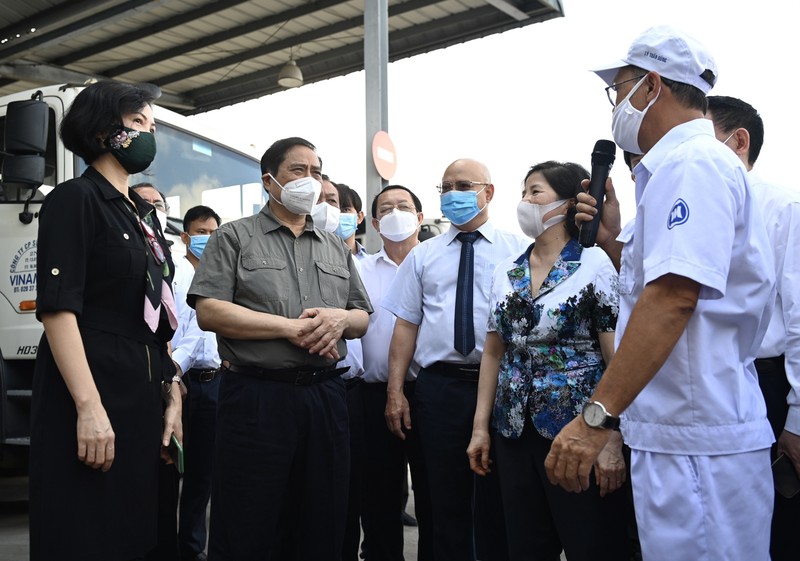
793, 420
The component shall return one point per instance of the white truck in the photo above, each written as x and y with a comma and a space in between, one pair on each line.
190, 169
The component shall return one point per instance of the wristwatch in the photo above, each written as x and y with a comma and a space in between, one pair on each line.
597, 416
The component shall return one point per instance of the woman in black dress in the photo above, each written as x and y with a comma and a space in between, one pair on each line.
104, 272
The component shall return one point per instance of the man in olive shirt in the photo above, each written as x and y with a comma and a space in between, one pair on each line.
281, 296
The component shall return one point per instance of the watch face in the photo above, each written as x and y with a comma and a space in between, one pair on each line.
593, 414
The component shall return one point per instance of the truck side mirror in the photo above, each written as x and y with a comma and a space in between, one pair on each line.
25, 143
26, 170
26, 127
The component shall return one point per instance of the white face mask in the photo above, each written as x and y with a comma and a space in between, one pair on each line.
627, 120
299, 195
398, 225
162, 218
530, 216
326, 217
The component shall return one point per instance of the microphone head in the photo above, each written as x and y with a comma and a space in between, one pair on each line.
604, 153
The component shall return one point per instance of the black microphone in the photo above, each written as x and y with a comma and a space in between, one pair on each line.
602, 159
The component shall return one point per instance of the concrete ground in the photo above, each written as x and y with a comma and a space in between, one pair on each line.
14, 522
14, 519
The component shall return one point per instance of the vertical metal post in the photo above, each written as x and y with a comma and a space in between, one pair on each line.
376, 63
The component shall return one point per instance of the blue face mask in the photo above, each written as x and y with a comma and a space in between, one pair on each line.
459, 207
197, 244
347, 225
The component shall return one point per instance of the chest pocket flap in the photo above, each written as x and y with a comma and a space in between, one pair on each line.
334, 283
263, 278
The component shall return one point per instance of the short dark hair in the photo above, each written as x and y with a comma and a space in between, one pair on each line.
565, 179
730, 113
417, 202
97, 110
348, 197
276, 154
146, 185
201, 213
143, 185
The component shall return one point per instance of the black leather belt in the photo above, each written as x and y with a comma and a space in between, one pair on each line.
383, 385
468, 372
203, 374
302, 376
353, 381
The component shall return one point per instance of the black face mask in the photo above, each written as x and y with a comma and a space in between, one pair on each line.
135, 150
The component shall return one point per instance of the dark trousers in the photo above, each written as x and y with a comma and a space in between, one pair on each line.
168, 485
462, 527
384, 478
281, 469
785, 538
542, 518
199, 428
355, 412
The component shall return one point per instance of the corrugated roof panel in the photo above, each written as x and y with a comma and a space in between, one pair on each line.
224, 51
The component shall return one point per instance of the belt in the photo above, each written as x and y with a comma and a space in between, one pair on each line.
302, 376
352, 382
383, 385
204, 374
456, 370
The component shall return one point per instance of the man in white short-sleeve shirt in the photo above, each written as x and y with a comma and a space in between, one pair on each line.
424, 297
697, 288
739, 127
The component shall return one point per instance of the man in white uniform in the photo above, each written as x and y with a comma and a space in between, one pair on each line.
396, 215
697, 288
441, 299
739, 126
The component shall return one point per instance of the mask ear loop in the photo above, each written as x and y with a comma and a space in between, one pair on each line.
634, 89
476, 199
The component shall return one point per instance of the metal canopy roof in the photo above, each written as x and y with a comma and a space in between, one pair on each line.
206, 54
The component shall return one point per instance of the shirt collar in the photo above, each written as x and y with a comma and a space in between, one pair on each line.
672, 139
486, 229
270, 223
109, 192
571, 252
567, 263
382, 256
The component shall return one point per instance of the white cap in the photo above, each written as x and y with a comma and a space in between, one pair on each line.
669, 52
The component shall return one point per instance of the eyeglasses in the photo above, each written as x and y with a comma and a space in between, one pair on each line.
386, 209
613, 88
447, 186
161, 205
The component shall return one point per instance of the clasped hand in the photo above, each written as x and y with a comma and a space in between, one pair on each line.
319, 329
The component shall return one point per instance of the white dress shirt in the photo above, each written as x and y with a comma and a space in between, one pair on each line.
191, 346
355, 356
780, 207
377, 273
424, 290
697, 219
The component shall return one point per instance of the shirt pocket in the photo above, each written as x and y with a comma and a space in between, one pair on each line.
126, 256
334, 283
263, 279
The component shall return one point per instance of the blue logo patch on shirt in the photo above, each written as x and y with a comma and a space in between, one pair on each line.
678, 215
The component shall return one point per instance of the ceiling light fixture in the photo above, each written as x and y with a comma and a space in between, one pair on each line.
290, 76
